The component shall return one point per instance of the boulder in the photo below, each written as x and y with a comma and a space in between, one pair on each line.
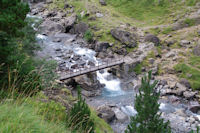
101, 46
49, 27
69, 22
196, 50
74, 66
105, 112
89, 82
189, 94
170, 54
76, 57
195, 109
90, 63
125, 37
185, 82
102, 2
120, 51
185, 43
79, 28
152, 38
120, 116
99, 15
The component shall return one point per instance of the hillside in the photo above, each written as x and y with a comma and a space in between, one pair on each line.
50, 39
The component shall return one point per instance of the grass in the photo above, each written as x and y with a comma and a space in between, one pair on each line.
100, 124
195, 61
183, 72
23, 117
88, 36
189, 22
167, 30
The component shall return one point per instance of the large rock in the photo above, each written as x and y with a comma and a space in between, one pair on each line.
189, 94
127, 38
50, 27
196, 50
152, 38
101, 46
185, 43
185, 82
120, 116
89, 82
79, 28
69, 22
106, 113
102, 2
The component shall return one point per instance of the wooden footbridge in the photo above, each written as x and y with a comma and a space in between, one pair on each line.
99, 66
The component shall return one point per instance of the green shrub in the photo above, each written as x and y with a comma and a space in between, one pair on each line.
79, 116
17, 45
189, 22
138, 69
88, 36
147, 119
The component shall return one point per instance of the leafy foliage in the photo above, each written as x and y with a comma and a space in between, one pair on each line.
17, 43
79, 116
88, 36
147, 119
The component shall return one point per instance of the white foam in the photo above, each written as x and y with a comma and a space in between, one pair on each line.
41, 37
110, 85
129, 110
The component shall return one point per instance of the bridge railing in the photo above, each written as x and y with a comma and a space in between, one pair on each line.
105, 63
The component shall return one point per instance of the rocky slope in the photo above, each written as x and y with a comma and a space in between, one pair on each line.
142, 51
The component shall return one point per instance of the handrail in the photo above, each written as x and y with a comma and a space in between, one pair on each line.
104, 64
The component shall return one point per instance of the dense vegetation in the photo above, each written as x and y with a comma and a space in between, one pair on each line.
17, 43
147, 119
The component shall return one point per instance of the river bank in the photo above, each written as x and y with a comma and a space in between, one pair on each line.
111, 92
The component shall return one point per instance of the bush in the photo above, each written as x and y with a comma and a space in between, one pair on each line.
79, 116
17, 45
147, 119
88, 36
189, 22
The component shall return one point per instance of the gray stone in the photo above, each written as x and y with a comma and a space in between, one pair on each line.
74, 66
127, 38
121, 117
102, 2
196, 50
101, 46
79, 28
69, 22
152, 38
106, 113
188, 94
99, 15
170, 54
57, 40
185, 82
185, 43
49, 27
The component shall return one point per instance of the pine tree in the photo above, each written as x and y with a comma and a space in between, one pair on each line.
147, 119
79, 116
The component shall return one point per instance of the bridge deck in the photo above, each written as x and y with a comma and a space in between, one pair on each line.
104, 65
